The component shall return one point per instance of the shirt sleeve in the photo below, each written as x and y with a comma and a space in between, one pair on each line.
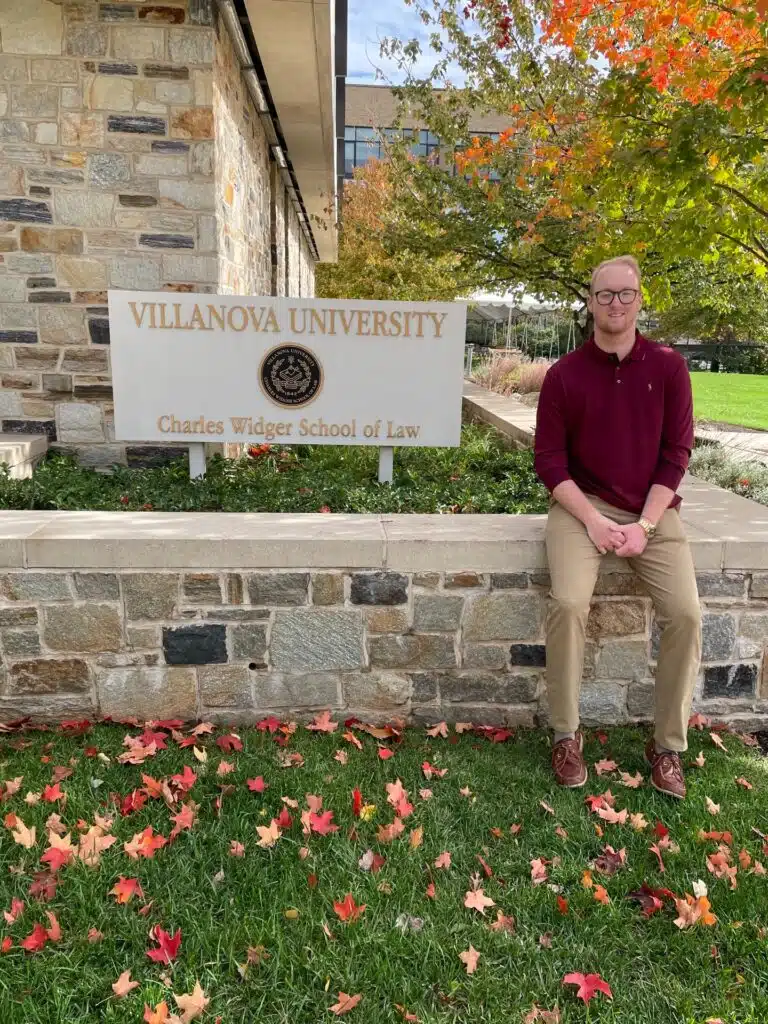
550, 446
677, 428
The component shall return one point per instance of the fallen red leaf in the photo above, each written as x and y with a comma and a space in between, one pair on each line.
53, 793
588, 985
322, 723
385, 753
125, 889
229, 742
357, 802
36, 940
257, 785
167, 945
345, 1003
322, 823
347, 909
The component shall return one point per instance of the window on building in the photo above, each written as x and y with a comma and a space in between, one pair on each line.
364, 144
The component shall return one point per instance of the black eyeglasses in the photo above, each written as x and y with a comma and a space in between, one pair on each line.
626, 296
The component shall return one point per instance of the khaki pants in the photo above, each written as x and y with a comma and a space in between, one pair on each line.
666, 569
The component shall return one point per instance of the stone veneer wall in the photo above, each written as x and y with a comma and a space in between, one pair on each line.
427, 646
130, 157
244, 193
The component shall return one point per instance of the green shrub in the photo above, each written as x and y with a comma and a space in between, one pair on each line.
479, 476
722, 467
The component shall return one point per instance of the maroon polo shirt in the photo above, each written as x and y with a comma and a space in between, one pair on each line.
616, 428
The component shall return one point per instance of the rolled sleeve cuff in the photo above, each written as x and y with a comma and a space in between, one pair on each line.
668, 475
552, 477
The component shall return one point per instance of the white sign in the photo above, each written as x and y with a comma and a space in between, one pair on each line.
191, 368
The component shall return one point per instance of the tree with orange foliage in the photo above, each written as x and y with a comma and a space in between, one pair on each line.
634, 126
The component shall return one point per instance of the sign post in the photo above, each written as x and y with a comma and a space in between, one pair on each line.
196, 369
196, 460
386, 465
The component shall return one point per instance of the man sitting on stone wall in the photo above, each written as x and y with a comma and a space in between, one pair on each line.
614, 433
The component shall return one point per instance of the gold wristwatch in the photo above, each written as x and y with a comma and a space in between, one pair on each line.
648, 527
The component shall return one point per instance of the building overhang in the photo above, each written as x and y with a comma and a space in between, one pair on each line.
295, 42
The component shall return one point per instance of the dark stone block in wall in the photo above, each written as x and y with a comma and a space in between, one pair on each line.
167, 241
41, 282
99, 331
509, 580
730, 680
529, 654
721, 584
150, 456
379, 588
116, 12
118, 69
49, 297
57, 383
136, 125
47, 427
137, 201
39, 190
27, 210
170, 146
19, 337
195, 645
166, 71
94, 392
718, 635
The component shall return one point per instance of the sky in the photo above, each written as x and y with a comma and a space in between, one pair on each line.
370, 21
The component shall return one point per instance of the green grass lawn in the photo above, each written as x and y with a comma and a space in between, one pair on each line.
279, 901
738, 398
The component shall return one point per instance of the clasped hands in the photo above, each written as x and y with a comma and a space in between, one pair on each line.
625, 541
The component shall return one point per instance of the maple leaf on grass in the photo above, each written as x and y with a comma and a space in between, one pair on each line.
694, 910
717, 740
588, 985
387, 833
322, 723
347, 909
385, 753
60, 851
236, 849
712, 807
125, 889
538, 871
476, 899
124, 985
503, 923
741, 781
157, 1016
144, 844
192, 1004
167, 945
229, 742
441, 729
444, 860
647, 898
268, 834
185, 818
322, 823
536, 1013
605, 765
36, 940
12, 915
631, 781
345, 1003
469, 957
24, 836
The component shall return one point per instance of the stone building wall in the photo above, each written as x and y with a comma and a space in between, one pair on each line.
243, 186
294, 253
106, 180
464, 646
307, 271
130, 157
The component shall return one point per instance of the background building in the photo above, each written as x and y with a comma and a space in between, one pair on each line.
372, 109
178, 145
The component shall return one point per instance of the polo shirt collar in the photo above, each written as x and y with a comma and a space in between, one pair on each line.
635, 354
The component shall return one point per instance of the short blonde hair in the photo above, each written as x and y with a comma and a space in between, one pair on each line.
625, 261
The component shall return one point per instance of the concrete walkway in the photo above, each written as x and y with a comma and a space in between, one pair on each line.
746, 444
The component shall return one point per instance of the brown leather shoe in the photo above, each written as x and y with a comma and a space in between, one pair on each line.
568, 764
666, 771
